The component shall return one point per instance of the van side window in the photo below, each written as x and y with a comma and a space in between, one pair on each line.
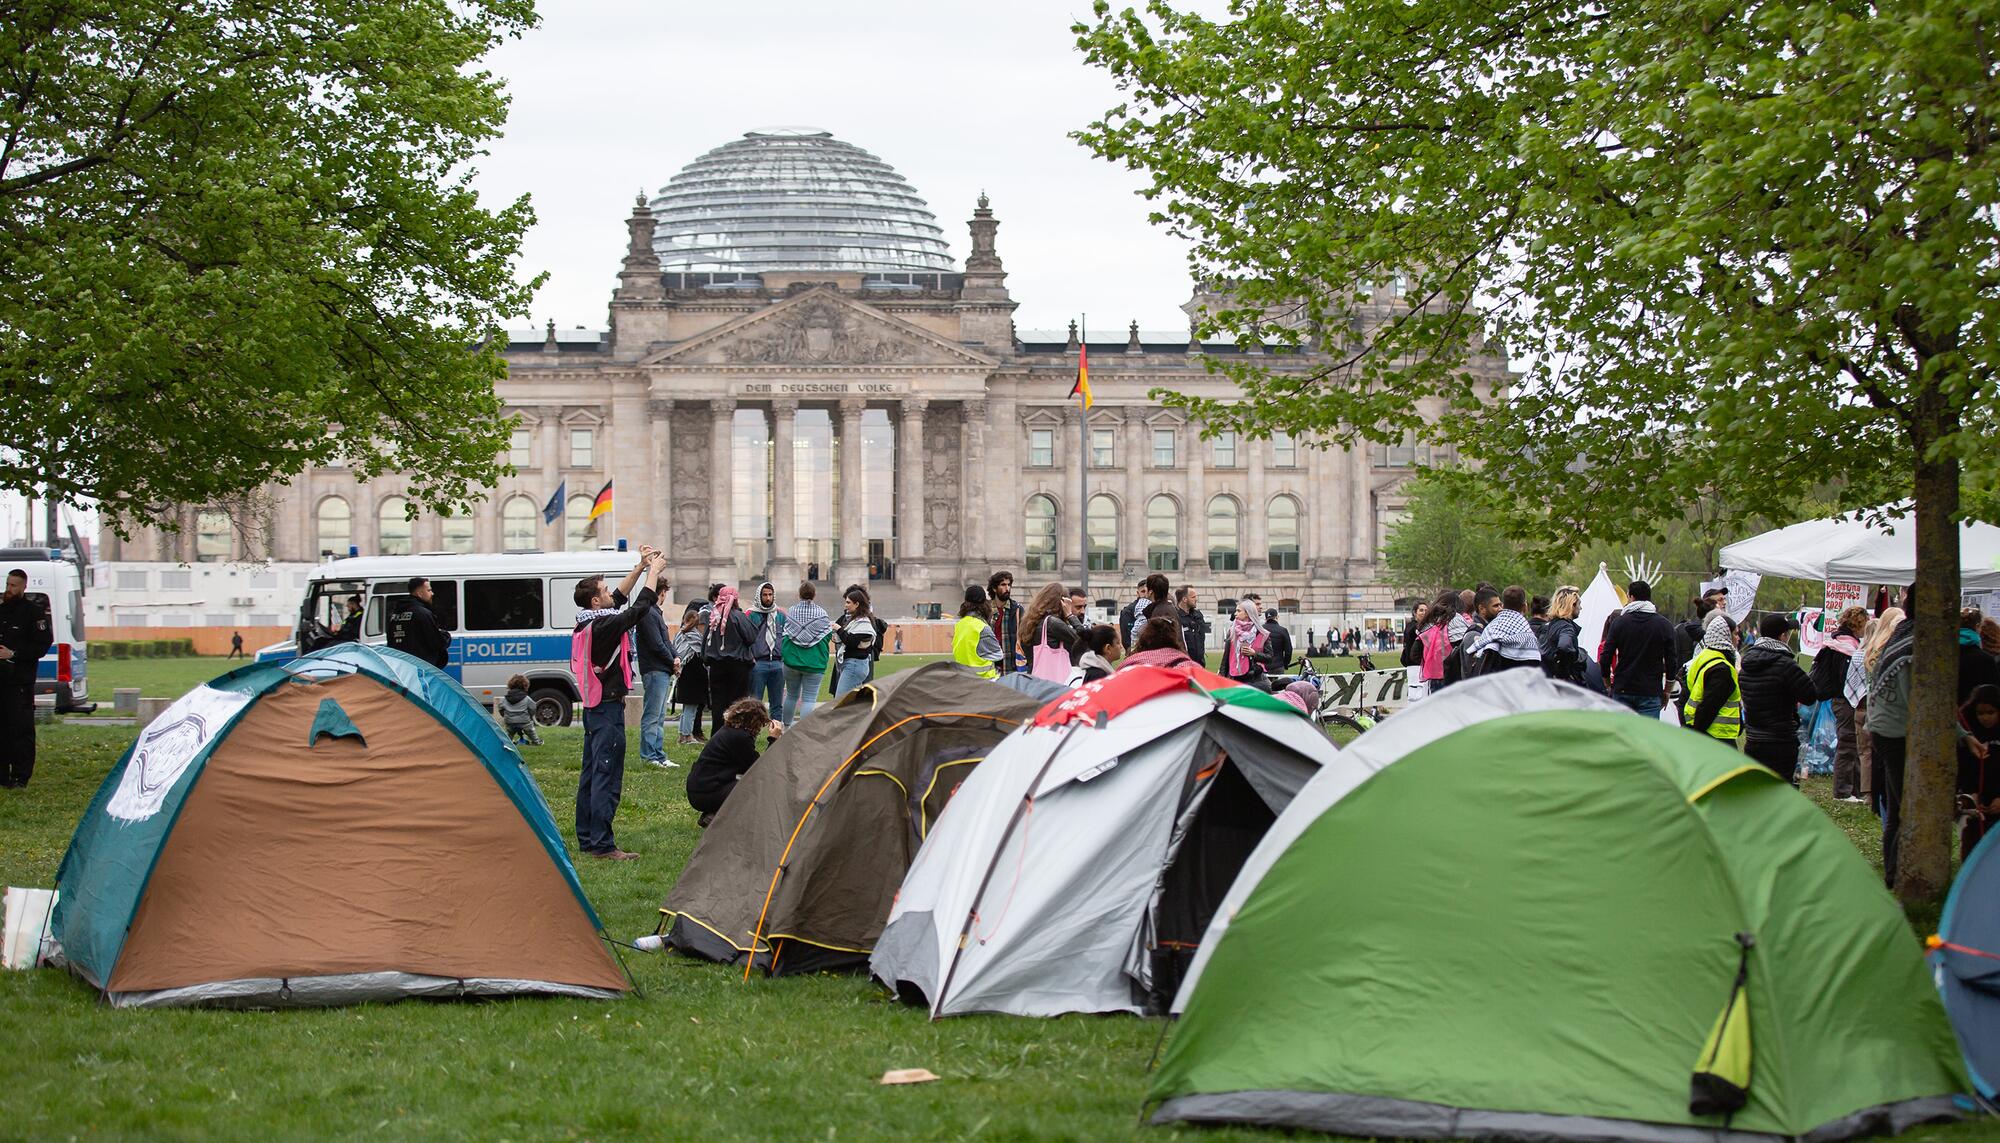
444, 605
503, 604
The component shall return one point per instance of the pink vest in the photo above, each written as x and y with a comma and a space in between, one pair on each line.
588, 681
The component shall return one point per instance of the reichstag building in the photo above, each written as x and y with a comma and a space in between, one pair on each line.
796, 375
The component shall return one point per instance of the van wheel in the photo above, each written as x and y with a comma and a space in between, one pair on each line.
552, 707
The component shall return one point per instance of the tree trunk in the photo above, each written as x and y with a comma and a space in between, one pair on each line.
1930, 782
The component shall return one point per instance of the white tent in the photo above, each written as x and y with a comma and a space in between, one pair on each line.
1599, 603
1851, 550
1077, 867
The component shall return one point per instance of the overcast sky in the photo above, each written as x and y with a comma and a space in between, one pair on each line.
610, 96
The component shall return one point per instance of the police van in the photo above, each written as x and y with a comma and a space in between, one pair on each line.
59, 582
508, 614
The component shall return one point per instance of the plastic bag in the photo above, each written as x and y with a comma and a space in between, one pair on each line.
1818, 739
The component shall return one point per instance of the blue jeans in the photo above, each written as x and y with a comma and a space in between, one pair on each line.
653, 721
853, 673
767, 684
801, 693
602, 781
1648, 705
690, 718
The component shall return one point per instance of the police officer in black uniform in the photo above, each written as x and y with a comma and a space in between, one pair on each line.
414, 629
25, 635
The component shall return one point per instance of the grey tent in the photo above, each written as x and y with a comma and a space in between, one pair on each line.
798, 870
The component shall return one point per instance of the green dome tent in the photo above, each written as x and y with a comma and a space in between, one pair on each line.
348, 826
1544, 918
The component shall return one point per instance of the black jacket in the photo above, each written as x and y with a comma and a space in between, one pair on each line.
27, 630
1829, 673
730, 641
656, 651
1773, 686
414, 630
606, 631
727, 757
1636, 646
1194, 636
1562, 655
1278, 645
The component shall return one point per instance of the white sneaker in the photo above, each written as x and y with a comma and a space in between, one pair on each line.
665, 763
1853, 801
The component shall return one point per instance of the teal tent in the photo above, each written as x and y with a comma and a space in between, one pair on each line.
350, 825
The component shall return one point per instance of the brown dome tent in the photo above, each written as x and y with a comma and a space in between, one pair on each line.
800, 866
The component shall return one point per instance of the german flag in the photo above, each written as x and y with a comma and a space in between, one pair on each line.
1082, 386
602, 505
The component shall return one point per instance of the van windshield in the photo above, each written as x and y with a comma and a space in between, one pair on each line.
326, 604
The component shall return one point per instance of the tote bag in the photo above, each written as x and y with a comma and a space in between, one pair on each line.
1051, 662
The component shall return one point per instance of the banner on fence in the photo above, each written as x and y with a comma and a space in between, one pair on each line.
1388, 689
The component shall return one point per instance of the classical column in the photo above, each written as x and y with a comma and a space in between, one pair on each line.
1194, 530
1257, 516
721, 488
1132, 528
552, 460
852, 567
995, 494
910, 481
784, 525
660, 497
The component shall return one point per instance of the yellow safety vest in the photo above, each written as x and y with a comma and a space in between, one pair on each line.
965, 646
1728, 724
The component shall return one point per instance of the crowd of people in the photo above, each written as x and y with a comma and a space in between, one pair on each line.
756, 668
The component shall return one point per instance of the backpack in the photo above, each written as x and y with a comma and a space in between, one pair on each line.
589, 682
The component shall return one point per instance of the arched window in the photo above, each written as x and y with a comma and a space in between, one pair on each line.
1284, 534
517, 523
211, 536
1163, 534
576, 525
392, 525
1040, 554
1100, 526
335, 525
1224, 534
456, 532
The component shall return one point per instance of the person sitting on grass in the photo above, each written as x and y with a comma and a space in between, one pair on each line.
728, 756
517, 712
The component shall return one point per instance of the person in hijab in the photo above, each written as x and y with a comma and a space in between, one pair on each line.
1306, 693
1243, 656
808, 635
727, 651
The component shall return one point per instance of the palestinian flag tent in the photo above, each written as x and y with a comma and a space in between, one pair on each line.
1966, 957
1544, 918
348, 826
799, 867
1078, 867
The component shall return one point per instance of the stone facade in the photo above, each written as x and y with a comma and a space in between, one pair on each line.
982, 426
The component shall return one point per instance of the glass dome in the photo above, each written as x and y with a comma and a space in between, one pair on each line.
794, 199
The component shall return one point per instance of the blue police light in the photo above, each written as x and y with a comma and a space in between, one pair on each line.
621, 543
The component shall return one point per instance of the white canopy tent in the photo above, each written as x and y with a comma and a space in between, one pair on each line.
1851, 550
1599, 603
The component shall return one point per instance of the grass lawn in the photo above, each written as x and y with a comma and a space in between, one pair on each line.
697, 1053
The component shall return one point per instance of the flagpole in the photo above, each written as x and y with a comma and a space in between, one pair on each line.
1083, 463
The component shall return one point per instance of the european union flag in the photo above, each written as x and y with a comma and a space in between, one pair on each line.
553, 510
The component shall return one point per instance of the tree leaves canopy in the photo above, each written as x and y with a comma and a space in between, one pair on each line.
240, 239
1749, 248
